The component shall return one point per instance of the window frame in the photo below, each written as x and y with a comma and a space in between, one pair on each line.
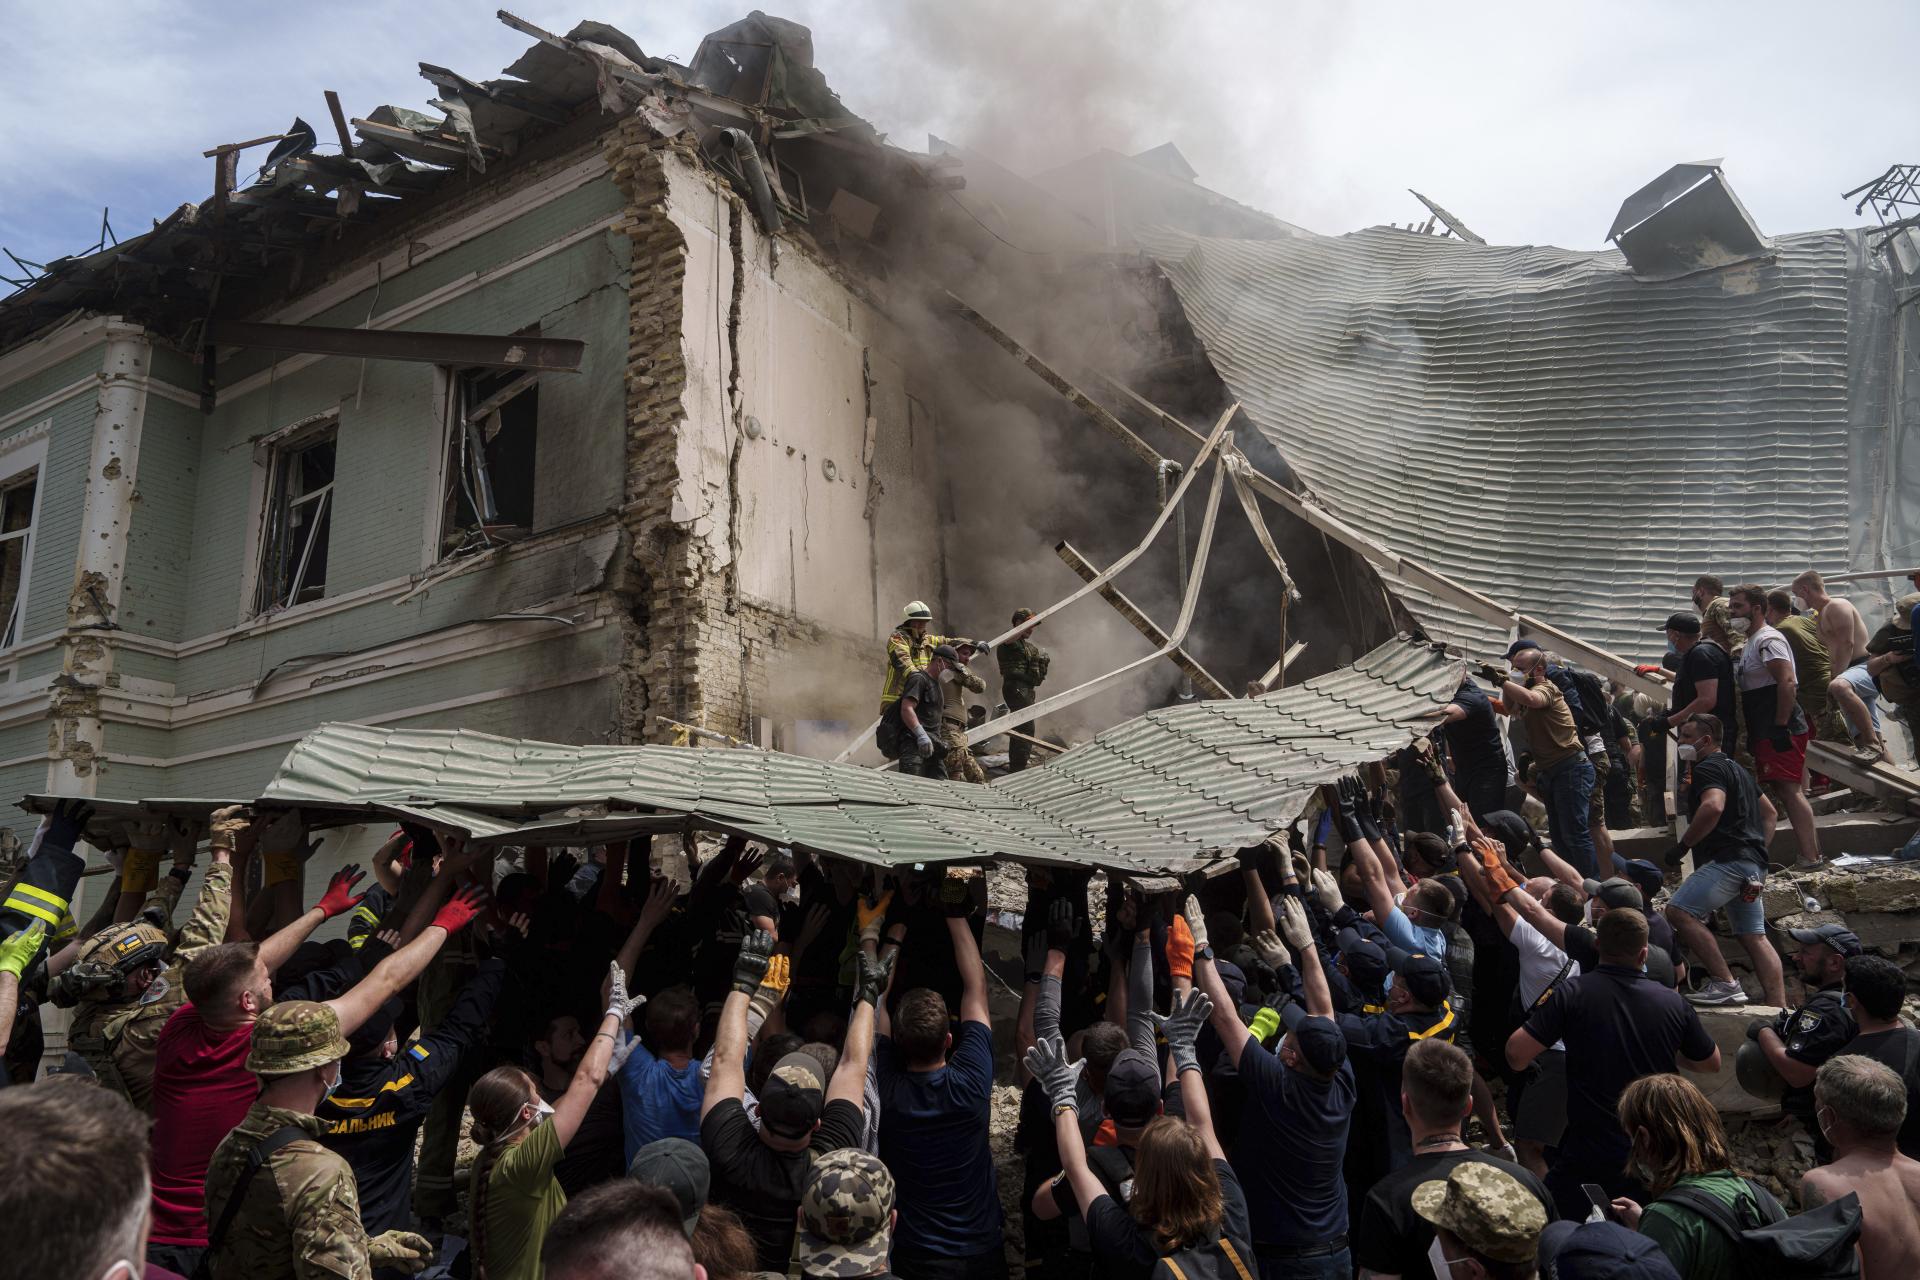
457, 424
25, 451
272, 454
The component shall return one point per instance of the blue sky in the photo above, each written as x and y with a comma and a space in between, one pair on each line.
1531, 122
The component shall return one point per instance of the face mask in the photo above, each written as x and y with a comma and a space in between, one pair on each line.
946, 677
1437, 1259
541, 1110
331, 1085
124, 1270
1741, 625
1688, 752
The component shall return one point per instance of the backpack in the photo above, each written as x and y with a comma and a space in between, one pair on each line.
1816, 1245
1216, 1260
1593, 716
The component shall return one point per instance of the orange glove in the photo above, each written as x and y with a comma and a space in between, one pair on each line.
1497, 875
1180, 949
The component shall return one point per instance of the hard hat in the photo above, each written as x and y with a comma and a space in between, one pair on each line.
1757, 1075
295, 1035
916, 611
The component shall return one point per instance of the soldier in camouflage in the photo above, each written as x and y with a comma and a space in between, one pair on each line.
961, 765
1023, 669
846, 1217
284, 1207
1482, 1213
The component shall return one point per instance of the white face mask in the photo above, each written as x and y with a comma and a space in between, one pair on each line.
1741, 626
946, 677
1437, 1259
1688, 752
131, 1271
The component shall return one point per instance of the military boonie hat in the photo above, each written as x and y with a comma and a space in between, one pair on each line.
295, 1035
845, 1208
794, 1095
1486, 1209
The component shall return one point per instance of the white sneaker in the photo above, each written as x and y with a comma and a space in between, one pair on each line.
1714, 991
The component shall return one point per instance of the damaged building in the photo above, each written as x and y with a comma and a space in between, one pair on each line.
615, 400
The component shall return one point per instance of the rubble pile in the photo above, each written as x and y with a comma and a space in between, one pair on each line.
1879, 901
1774, 1152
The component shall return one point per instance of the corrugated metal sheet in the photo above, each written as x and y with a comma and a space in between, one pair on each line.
1165, 792
1545, 428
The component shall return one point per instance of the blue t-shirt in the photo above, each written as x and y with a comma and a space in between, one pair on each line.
933, 1136
658, 1100
1293, 1137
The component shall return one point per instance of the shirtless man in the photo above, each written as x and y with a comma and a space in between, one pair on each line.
1845, 634
1860, 1104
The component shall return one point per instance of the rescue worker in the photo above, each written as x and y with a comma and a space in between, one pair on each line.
1800, 1040
908, 649
281, 1204
126, 982
955, 715
1023, 669
44, 891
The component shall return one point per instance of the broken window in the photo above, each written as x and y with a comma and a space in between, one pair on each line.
295, 519
16, 526
490, 458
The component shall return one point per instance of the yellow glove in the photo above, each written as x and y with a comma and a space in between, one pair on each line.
402, 1249
282, 867
871, 917
225, 826
18, 949
140, 871
779, 973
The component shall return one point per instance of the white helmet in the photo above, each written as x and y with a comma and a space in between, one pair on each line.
916, 611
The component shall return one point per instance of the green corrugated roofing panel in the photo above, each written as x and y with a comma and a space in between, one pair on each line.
1167, 791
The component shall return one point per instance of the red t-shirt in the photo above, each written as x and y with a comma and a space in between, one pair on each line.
201, 1090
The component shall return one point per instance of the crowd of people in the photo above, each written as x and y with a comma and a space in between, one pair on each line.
1412, 1035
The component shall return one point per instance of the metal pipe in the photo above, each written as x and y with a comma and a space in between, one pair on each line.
749, 157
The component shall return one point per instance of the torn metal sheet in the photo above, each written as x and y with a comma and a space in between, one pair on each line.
1452, 223
1702, 228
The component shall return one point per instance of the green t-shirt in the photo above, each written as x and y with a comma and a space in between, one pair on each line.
1697, 1248
523, 1199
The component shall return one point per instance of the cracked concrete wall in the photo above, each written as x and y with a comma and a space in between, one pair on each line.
781, 507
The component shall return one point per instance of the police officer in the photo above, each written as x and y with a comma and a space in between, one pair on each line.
125, 983
1023, 669
908, 649
282, 1205
1799, 1040
954, 715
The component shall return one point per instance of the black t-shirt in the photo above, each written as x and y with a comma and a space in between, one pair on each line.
758, 901
1618, 1025
763, 1185
1898, 1048
1392, 1238
1122, 1248
1814, 1032
1293, 1133
1707, 661
1736, 837
928, 702
1474, 742
1584, 950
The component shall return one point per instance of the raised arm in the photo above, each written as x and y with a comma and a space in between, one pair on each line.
728, 1077
386, 862
337, 900
393, 974
1060, 1079
849, 1083
570, 1108
966, 958
1182, 1029
1259, 907
659, 905
1234, 1036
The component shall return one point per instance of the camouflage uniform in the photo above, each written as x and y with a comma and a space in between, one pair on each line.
844, 1208
1716, 624
118, 1038
953, 727
1023, 669
906, 655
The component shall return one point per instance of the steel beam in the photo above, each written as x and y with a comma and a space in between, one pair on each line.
1202, 678
469, 350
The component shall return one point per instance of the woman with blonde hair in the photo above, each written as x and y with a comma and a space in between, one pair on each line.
1679, 1146
514, 1196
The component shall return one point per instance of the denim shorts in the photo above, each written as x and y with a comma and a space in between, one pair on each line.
1714, 885
1868, 689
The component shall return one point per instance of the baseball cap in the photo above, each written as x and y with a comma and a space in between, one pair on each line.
946, 651
1521, 646
1426, 977
1132, 1093
791, 1101
371, 1033
1617, 891
679, 1166
846, 1207
1320, 1040
1684, 623
1837, 936
1601, 1251
1644, 874
1233, 978
1365, 961
1485, 1208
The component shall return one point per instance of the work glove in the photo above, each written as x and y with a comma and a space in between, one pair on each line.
1756, 1025
1675, 854
779, 975
875, 973
750, 966
225, 826
1779, 737
1264, 1024
871, 915
1345, 814
1034, 954
340, 897
67, 821
619, 1003
1656, 723
1060, 924
1326, 890
1179, 949
1250, 857
923, 743
1182, 1027
20, 947
1047, 1060
1293, 925
1267, 945
1297, 838
458, 911
285, 833
1197, 926
402, 1250
1492, 674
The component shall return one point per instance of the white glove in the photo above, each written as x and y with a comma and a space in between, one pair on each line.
619, 1003
1293, 924
1267, 945
1326, 890
1197, 924
923, 742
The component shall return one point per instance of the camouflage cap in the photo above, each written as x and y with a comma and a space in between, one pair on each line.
1486, 1209
295, 1035
846, 1209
